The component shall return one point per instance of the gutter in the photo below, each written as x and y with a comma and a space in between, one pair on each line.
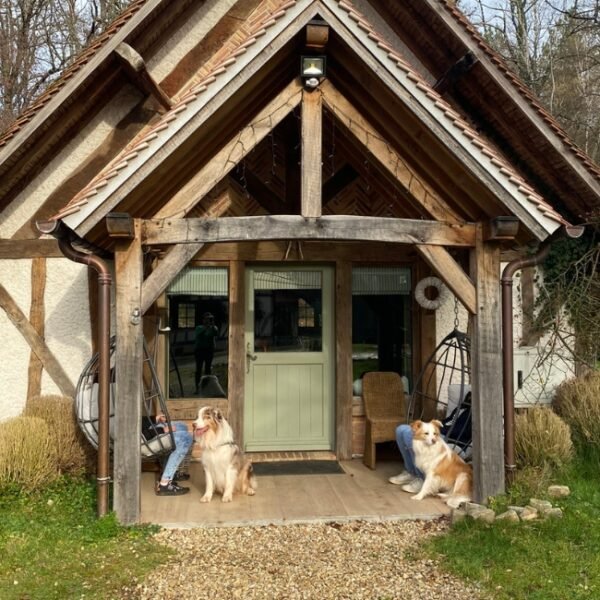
66, 237
511, 268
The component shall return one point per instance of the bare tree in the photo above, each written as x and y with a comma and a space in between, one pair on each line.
38, 39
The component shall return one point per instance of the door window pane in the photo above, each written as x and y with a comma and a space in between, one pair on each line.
381, 322
198, 340
288, 311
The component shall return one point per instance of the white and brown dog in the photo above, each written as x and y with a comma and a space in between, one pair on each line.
225, 468
446, 473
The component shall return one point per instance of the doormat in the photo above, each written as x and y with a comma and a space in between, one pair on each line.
298, 467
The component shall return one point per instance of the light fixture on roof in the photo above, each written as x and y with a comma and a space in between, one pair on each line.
312, 70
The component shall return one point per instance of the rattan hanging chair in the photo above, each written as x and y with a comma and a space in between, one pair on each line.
442, 391
155, 442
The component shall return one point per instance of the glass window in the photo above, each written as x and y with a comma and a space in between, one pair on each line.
198, 340
381, 322
288, 311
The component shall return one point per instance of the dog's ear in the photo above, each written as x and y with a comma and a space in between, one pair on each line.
415, 425
218, 415
437, 423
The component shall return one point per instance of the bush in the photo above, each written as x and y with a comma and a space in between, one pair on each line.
542, 439
72, 450
577, 401
27, 454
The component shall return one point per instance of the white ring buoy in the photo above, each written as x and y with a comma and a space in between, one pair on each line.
422, 300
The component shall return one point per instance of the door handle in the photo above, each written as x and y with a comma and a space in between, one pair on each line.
249, 357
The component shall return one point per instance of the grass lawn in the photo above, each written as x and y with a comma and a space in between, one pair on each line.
538, 560
52, 545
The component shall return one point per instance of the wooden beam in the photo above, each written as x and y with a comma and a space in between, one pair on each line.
135, 67
37, 319
233, 152
486, 369
29, 249
237, 351
452, 274
343, 371
168, 268
129, 390
312, 151
36, 343
290, 227
384, 153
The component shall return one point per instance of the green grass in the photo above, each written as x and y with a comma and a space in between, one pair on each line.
52, 545
554, 559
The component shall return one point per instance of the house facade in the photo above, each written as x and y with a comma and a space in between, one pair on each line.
294, 169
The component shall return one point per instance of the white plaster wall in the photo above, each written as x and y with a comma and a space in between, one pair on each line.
15, 276
73, 155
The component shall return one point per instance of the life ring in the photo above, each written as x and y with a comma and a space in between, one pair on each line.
422, 300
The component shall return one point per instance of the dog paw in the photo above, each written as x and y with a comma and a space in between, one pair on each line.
417, 497
251, 492
205, 499
227, 498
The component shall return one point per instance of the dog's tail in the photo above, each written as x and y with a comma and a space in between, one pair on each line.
250, 484
462, 490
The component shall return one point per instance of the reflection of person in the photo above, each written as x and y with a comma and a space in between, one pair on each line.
204, 346
456, 430
151, 427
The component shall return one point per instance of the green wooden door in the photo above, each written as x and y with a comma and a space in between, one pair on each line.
289, 359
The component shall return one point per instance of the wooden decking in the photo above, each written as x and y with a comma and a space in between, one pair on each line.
359, 494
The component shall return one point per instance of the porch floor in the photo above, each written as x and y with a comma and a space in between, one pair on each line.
358, 494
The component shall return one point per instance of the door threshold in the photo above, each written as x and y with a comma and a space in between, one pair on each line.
291, 455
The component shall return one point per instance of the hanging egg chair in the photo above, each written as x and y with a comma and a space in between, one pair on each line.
442, 391
157, 438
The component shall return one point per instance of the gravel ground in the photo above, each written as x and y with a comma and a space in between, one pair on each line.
356, 560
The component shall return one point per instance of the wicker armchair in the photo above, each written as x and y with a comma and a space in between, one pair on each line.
383, 397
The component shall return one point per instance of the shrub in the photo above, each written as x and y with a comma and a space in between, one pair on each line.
27, 454
72, 450
577, 401
542, 439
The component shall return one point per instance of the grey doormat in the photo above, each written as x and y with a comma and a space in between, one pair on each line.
298, 467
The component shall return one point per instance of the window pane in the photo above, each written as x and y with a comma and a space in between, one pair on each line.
287, 311
198, 340
381, 322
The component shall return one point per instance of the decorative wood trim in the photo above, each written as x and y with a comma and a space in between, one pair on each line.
233, 152
237, 352
37, 318
486, 368
29, 249
129, 357
452, 274
168, 268
36, 343
135, 67
291, 227
345, 176
390, 160
312, 150
343, 371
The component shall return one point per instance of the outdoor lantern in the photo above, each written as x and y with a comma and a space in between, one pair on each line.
312, 70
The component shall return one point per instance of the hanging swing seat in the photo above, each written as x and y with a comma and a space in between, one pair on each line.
442, 391
157, 439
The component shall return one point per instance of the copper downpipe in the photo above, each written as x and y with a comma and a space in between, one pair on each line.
65, 236
507, 341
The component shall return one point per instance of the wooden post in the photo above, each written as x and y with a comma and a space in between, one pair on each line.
343, 371
37, 317
311, 164
486, 356
237, 352
129, 391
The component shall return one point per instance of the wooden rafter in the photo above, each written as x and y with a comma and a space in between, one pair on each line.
312, 149
289, 227
449, 270
431, 201
233, 152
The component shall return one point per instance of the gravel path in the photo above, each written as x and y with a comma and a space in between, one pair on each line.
357, 560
